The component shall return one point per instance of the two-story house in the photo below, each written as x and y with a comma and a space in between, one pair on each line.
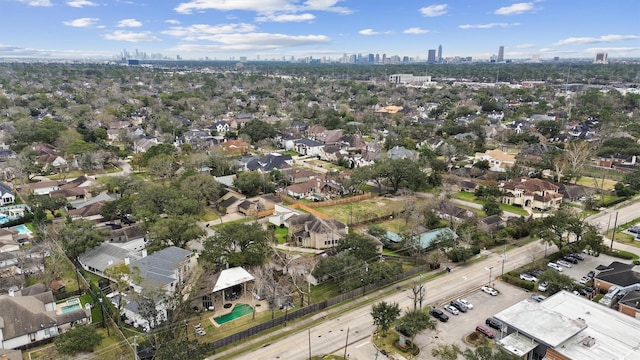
532, 194
499, 161
308, 230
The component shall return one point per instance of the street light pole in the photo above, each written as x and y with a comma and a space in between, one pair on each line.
490, 270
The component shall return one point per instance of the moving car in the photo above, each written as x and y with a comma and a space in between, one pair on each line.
438, 314
555, 266
563, 263
452, 309
485, 331
528, 277
458, 305
494, 323
466, 303
489, 290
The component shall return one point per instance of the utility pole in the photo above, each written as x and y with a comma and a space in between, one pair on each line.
346, 343
613, 233
186, 329
504, 258
309, 343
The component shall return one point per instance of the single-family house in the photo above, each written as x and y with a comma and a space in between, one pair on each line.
8, 240
532, 194
308, 230
400, 152
143, 143
166, 270
499, 161
50, 158
448, 211
220, 127
270, 162
30, 316
308, 147
299, 175
235, 147
6, 195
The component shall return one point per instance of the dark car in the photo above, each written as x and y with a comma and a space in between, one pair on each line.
439, 314
485, 331
460, 306
591, 274
536, 272
491, 322
570, 259
577, 256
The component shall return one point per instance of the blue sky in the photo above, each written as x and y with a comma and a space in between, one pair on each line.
221, 29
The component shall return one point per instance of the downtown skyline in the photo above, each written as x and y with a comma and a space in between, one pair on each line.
275, 29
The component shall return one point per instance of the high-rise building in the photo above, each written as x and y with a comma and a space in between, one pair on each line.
431, 58
440, 53
500, 54
601, 58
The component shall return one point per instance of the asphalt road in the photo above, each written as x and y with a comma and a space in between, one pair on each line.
331, 336
605, 220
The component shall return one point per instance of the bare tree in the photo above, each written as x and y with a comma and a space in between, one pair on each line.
577, 155
417, 293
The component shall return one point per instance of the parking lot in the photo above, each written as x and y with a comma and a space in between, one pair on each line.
459, 326
576, 271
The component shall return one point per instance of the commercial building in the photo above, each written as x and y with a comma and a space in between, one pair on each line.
568, 327
501, 54
408, 79
431, 58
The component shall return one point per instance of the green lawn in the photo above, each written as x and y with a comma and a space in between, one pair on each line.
470, 197
209, 215
363, 210
596, 183
281, 234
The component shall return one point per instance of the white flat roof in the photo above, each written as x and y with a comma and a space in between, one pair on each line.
232, 277
517, 344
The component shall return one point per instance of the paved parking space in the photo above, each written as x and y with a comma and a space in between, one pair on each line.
582, 268
459, 326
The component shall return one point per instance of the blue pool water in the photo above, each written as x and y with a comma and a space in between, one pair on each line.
70, 308
4, 219
22, 229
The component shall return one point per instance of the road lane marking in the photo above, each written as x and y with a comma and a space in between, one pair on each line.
361, 345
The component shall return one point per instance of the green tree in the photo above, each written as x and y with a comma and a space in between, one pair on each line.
238, 244
488, 353
176, 230
492, 207
251, 183
446, 352
384, 315
258, 130
201, 187
359, 246
556, 281
78, 236
156, 150
414, 322
80, 338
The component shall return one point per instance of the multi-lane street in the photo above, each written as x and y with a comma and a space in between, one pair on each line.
330, 336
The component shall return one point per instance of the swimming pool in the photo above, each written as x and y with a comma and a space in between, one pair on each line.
22, 229
72, 305
239, 310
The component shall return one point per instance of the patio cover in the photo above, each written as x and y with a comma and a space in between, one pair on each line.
232, 277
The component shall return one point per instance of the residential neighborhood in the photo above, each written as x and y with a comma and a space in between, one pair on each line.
199, 210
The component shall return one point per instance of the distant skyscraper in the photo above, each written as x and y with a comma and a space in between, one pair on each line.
601, 58
431, 58
440, 53
501, 54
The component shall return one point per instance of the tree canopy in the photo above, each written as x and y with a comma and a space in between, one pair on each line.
80, 338
238, 244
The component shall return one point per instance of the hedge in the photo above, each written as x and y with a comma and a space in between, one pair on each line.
626, 255
513, 280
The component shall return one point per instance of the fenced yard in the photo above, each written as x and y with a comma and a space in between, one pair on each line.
356, 212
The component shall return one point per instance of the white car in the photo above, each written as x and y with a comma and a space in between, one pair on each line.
489, 290
584, 280
555, 266
452, 309
563, 263
528, 277
543, 286
466, 303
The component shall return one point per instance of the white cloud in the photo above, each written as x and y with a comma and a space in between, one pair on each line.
368, 32
524, 46
285, 17
252, 42
202, 31
592, 40
262, 6
129, 23
514, 9
613, 50
40, 3
80, 3
82, 22
415, 30
434, 10
172, 22
487, 26
130, 36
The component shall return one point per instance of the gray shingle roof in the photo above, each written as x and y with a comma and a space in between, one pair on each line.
158, 268
105, 255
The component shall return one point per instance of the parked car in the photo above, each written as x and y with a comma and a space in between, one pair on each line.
489, 290
485, 331
538, 298
439, 314
458, 305
634, 229
536, 272
577, 256
555, 266
452, 309
494, 323
563, 263
466, 303
528, 277
543, 286
570, 259
585, 279
591, 274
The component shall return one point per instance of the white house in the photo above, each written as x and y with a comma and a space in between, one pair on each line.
6, 195
31, 315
